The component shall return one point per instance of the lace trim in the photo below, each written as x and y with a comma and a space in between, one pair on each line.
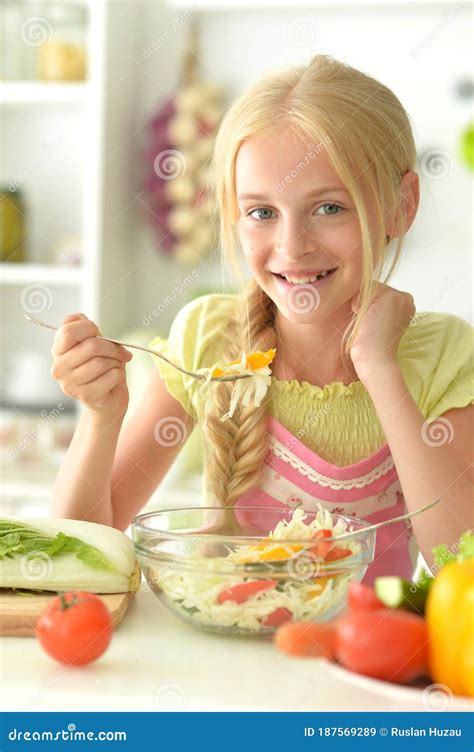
360, 482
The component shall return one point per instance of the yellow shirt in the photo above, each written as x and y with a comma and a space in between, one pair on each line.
337, 421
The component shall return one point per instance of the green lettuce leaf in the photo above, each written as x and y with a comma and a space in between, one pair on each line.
17, 539
465, 550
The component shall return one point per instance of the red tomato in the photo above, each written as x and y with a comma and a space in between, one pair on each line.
338, 553
362, 597
383, 643
75, 628
277, 617
321, 549
242, 592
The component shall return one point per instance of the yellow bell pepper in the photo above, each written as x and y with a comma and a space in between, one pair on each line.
277, 553
450, 617
253, 361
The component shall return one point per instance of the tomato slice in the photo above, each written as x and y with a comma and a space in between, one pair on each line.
243, 591
277, 617
361, 597
321, 549
338, 553
75, 628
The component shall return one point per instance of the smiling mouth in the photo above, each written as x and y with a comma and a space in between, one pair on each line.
307, 279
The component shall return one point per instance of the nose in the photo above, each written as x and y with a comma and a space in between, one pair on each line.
293, 240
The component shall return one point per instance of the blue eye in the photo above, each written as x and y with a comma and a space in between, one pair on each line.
264, 213
261, 209
332, 214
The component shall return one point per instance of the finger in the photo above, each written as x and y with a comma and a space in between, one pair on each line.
93, 369
73, 317
91, 348
97, 390
72, 333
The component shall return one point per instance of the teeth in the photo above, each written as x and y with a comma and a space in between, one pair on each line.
305, 280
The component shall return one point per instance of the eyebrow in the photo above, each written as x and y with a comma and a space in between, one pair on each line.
311, 194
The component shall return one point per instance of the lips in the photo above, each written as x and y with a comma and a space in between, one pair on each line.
286, 286
303, 272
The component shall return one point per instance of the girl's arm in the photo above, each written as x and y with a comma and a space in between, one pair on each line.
147, 447
428, 468
110, 472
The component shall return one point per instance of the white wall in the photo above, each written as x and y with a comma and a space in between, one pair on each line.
420, 52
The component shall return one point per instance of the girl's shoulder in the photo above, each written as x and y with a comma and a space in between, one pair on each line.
439, 330
210, 307
436, 355
200, 325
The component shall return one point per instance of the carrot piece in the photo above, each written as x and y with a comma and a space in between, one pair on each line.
306, 638
244, 590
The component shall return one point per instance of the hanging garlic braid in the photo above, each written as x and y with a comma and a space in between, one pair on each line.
366, 133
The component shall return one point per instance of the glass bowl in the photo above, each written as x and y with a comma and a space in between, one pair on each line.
216, 568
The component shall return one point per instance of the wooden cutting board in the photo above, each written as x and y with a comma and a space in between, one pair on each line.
19, 613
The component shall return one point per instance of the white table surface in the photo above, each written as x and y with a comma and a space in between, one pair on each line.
157, 663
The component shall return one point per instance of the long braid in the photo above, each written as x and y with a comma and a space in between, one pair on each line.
237, 446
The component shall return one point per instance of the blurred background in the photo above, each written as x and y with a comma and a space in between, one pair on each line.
108, 110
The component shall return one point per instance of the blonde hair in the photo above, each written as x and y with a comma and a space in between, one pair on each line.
368, 138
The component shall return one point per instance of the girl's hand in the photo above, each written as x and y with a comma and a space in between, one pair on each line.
376, 343
89, 369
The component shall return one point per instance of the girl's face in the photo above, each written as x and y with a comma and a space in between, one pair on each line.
297, 218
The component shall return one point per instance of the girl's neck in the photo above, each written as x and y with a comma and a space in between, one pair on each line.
312, 352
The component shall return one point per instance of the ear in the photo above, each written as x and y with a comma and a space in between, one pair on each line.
410, 192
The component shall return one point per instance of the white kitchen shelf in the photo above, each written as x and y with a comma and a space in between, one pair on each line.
33, 92
50, 274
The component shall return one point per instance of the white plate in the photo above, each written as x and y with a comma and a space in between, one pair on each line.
432, 697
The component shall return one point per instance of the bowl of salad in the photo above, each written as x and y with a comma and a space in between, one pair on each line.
248, 570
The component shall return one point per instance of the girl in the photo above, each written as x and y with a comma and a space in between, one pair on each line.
314, 179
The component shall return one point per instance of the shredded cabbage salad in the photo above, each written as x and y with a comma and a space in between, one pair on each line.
285, 581
248, 391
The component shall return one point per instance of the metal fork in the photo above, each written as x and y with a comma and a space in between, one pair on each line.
153, 352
